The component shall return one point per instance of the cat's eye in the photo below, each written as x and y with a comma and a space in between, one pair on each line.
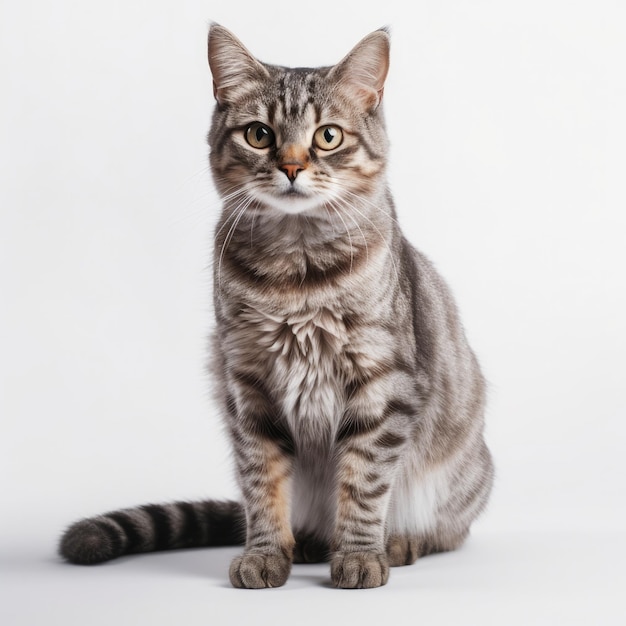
328, 137
259, 135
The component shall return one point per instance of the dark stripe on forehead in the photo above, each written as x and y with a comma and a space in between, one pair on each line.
296, 90
317, 109
271, 112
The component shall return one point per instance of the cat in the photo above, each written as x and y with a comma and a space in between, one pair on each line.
352, 399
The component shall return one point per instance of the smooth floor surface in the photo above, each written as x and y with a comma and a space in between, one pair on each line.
496, 578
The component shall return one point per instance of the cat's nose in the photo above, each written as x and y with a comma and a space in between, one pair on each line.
291, 169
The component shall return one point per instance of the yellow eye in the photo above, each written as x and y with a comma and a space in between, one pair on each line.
259, 135
328, 137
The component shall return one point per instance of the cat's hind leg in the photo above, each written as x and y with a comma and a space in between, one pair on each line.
432, 511
405, 549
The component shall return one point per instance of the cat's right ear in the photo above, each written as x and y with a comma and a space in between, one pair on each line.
232, 66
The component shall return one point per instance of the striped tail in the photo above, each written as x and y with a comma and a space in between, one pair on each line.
153, 527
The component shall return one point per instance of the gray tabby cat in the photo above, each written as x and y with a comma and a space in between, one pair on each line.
352, 399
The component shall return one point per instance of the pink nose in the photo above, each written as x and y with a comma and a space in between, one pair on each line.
291, 169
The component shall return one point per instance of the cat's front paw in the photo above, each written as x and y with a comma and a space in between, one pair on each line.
359, 570
259, 571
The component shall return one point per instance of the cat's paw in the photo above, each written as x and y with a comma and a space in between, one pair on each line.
359, 570
258, 571
403, 550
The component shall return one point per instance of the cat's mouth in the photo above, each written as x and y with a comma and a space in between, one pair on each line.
291, 200
294, 193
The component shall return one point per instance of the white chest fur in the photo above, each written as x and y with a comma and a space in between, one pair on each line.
304, 360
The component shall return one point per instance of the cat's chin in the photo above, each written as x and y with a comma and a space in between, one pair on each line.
292, 204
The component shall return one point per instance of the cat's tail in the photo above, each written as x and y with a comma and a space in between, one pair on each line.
153, 527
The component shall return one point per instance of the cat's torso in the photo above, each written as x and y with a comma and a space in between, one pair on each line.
310, 339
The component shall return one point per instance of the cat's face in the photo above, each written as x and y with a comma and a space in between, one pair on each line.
297, 140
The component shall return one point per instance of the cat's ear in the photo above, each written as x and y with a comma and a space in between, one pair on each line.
363, 71
232, 66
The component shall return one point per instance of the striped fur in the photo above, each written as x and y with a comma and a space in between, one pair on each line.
153, 527
353, 402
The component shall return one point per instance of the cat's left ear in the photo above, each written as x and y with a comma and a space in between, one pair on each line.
363, 71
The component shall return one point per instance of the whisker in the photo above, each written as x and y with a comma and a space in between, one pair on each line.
256, 212
356, 223
365, 201
240, 192
350, 201
382, 237
239, 212
348, 233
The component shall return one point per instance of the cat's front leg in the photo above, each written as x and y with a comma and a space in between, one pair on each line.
264, 470
369, 453
264, 467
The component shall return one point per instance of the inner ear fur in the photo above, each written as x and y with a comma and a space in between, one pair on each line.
362, 72
233, 67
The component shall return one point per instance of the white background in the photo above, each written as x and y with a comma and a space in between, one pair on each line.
507, 125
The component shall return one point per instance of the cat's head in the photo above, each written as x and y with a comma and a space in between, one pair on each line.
298, 140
